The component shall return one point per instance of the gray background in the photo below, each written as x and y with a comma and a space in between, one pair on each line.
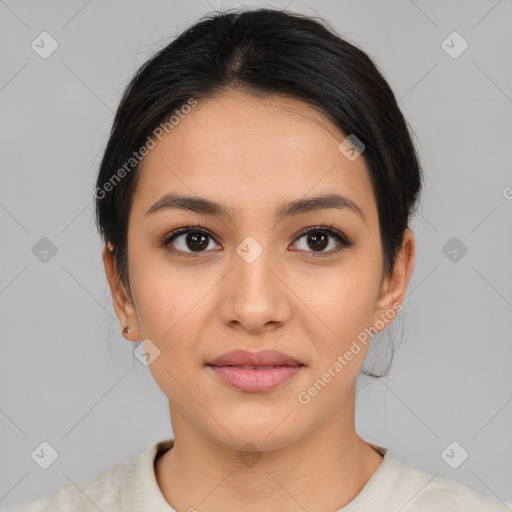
67, 375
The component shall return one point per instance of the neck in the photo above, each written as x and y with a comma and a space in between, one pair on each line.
323, 470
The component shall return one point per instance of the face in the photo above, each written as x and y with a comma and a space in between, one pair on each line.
253, 279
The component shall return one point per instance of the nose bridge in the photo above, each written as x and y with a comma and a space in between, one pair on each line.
254, 295
252, 275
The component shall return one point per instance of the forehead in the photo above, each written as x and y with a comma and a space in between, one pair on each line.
252, 152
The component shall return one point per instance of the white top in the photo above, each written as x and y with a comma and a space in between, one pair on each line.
132, 487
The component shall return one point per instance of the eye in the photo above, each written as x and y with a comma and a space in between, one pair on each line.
188, 240
317, 238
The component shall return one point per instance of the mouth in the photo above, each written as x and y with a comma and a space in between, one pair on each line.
260, 359
255, 378
255, 371
249, 367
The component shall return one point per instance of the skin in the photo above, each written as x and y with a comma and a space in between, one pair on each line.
254, 154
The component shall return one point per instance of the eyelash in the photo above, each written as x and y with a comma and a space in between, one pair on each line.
342, 239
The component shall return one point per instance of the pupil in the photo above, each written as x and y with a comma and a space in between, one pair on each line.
316, 239
194, 238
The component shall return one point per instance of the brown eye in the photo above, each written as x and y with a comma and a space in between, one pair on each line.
196, 241
188, 240
318, 238
317, 241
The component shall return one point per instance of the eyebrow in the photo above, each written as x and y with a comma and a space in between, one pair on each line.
206, 206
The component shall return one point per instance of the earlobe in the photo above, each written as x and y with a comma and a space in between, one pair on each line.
122, 303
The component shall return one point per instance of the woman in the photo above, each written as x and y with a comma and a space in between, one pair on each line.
254, 198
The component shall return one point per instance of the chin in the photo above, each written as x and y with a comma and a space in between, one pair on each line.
260, 437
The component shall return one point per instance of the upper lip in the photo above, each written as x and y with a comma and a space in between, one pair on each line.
242, 357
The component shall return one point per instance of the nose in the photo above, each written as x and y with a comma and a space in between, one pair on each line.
254, 296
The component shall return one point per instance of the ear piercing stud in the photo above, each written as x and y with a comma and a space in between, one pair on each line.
127, 329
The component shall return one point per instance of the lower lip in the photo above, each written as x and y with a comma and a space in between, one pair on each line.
255, 380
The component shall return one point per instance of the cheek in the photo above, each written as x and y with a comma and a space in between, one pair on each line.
340, 304
169, 298
171, 309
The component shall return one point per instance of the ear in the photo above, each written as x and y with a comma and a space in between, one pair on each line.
122, 303
394, 288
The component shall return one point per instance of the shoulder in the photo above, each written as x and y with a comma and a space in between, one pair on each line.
422, 491
97, 492
451, 496
130, 484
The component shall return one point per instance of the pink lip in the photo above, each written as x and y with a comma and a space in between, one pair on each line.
229, 368
261, 358
254, 379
